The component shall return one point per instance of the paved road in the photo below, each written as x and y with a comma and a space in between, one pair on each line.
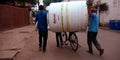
109, 40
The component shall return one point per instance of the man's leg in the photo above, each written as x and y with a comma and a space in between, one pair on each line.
45, 36
57, 39
61, 41
95, 42
89, 41
97, 45
40, 39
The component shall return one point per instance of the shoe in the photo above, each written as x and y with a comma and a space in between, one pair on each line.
61, 43
101, 52
44, 50
58, 45
90, 52
39, 48
61, 46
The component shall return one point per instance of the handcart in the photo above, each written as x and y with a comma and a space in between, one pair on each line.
70, 37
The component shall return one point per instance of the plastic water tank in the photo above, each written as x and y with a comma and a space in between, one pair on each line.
68, 16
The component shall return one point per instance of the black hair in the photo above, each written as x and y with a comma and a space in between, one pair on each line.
41, 7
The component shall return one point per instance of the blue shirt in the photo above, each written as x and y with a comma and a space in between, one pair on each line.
41, 18
94, 23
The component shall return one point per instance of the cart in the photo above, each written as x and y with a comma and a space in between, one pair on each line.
70, 37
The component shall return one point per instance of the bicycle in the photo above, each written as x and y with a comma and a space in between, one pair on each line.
72, 38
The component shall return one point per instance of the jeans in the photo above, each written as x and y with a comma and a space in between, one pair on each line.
59, 38
91, 38
43, 35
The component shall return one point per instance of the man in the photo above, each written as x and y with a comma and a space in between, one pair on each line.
41, 20
92, 31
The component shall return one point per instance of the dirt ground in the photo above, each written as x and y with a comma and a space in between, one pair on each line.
25, 41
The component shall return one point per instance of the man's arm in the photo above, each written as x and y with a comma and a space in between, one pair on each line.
90, 12
36, 19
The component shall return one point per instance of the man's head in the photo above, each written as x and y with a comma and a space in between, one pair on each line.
93, 9
41, 7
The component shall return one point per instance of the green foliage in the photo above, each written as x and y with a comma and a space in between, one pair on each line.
47, 2
29, 1
20, 1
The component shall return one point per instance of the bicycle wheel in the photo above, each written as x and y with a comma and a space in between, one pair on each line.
74, 41
64, 37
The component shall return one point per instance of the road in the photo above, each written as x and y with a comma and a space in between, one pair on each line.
109, 40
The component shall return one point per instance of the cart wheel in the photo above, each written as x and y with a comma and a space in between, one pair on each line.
74, 41
64, 37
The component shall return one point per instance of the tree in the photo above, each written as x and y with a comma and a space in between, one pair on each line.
47, 2
4, 1
22, 2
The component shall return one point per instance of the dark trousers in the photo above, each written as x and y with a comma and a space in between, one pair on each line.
91, 38
59, 38
43, 35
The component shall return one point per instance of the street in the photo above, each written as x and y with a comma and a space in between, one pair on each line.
26, 43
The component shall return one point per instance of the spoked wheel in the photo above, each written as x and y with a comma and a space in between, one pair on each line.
64, 37
74, 41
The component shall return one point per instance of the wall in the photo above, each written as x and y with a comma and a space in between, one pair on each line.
73, 0
12, 17
113, 12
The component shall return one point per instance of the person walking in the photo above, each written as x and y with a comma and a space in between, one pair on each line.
59, 39
93, 31
41, 21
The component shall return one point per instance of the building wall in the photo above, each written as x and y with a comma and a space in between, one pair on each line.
73, 0
113, 12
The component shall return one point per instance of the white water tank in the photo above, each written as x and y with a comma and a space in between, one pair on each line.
68, 16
